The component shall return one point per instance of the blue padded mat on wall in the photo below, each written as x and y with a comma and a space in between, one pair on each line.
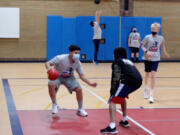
62, 32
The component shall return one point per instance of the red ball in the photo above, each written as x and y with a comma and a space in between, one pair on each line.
53, 74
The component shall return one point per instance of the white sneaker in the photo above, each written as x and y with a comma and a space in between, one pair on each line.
151, 100
82, 112
146, 94
55, 109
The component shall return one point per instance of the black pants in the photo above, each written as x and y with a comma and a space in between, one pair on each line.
96, 48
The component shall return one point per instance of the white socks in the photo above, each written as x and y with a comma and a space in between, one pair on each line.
124, 118
54, 101
80, 104
112, 125
151, 92
146, 88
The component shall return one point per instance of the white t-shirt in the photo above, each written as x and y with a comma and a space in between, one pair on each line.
97, 31
134, 39
63, 66
153, 44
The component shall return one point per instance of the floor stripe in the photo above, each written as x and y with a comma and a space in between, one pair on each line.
136, 123
13, 116
119, 89
161, 77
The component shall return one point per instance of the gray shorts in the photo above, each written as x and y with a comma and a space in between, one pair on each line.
70, 83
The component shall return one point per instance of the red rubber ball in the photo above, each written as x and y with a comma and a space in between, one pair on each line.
53, 74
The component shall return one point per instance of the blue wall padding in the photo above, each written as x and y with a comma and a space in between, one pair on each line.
143, 25
84, 34
111, 35
54, 36
62, 32
69, 32
85, 37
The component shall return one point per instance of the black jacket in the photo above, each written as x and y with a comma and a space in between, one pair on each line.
124, 71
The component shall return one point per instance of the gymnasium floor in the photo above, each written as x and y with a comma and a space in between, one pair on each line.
25, 105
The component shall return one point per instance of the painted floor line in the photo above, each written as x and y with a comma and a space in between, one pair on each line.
100, 98
13, 116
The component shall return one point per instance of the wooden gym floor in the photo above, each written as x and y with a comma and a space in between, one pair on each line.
23, 88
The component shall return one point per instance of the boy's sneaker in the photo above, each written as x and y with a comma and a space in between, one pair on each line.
109, 130
151, 100
55, 109
124, 123
95, 62
82, 112
146, 94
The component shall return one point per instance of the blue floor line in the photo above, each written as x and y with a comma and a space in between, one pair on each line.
13, 116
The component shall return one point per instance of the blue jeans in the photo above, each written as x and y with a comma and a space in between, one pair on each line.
96, 48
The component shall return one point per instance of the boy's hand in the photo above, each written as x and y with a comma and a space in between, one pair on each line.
166, 55
148, 54
93, 84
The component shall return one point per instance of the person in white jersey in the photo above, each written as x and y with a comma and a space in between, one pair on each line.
65, 64
97, 35
151, 45
134, 42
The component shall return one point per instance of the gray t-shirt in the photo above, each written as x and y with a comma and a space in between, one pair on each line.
97, 31
134, 39
63, 66
153, 44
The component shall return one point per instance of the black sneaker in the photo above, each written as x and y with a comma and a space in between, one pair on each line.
124, 123
109, 130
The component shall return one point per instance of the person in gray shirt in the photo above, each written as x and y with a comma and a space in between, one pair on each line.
151, 46
97, 35
134, 42
65, 64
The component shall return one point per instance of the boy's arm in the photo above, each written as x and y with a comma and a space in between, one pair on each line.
146, 52
139, 39
164, 49
129, 40
115, 79
48, 66
143, 48
97, 16
84, 79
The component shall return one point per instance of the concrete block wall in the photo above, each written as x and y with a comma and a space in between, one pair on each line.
170, 12
31, 46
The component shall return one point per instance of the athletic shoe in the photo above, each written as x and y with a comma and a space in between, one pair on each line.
82, 112
55, 109
95, 62
151, 100
124, 123
137, 60
146, 94
109, 130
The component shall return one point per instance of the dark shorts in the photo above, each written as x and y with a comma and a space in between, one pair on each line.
121, 93
151, 65
134, 49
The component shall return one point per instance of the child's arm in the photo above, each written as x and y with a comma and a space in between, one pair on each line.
115, 78
164, 49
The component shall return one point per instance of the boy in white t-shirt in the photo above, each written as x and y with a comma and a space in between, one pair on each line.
151, 46
65, 64
97, 35
134, 42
